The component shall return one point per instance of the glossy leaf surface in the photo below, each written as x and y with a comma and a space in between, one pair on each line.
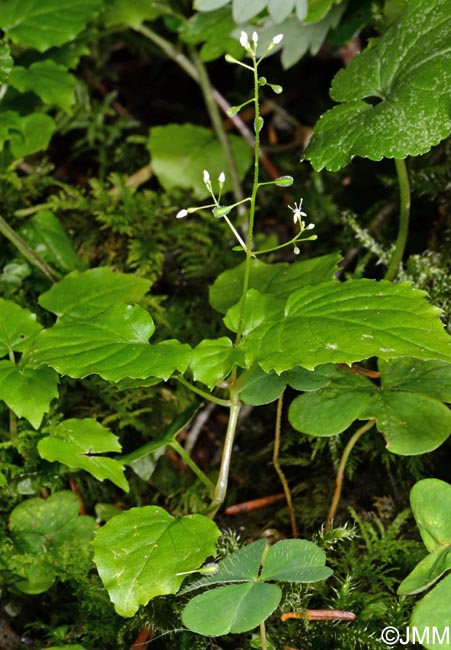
46, 23
347, 322
139, 553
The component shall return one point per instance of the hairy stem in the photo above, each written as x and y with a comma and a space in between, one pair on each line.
404, 216
341, 471
275, 462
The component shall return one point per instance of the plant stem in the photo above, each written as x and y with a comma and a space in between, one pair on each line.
250, 231
215, 117
341, 470
263, 636
275, 462
404, 216
202, 393
223, 478
26, 251
191, 464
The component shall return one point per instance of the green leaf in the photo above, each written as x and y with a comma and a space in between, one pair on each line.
411, 423
430, 377
47, 79
274, 279
334, 408
258, 308
346, 322
431, 501
180, 153
412, 109
431, 617
132, 14
85, 294
49, 529
240, 566
317, 9
209, 5
79, 445
244, 10
231, 609
295, 560
17, 327
26, 134
165, 439
258, 387
28, 392
428, 571
140, 552
45, 234
46, 23
280, 9
113, 344
212, 29
212, 360
6, 62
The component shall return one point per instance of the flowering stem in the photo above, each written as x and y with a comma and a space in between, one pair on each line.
218, 126
250, 232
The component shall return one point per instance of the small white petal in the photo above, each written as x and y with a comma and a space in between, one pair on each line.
244, 40
221, 177
255, 37
310, 226
206, 176
181, 214
277, 39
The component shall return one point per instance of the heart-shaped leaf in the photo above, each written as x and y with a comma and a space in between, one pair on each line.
411, 111
295, 560
142, 553
79, 445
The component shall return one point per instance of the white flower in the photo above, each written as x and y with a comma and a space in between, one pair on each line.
221, 178
244, 39
298, 213
277, 39
255, 37
181, 214
206, 177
